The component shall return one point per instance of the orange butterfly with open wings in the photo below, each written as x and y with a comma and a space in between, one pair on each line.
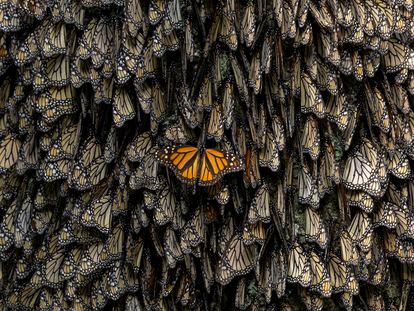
203, 166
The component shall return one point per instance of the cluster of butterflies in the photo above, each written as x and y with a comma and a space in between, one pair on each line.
206, 154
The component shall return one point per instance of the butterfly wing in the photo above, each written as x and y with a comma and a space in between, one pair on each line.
183, 161
215, 164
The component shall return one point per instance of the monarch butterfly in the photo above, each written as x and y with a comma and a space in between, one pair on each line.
304, 35
255, 79
397, 194
55, 40
185, 290
139, 147
360, 199
146, 174
227, 29
359, 174
404, 222
266, 53
357, 66
52, 270
111, 145
134, 252
408, 273
194, 232
311, 138
299, 266
90, 167
328, 170
131, 50
252, 173
28, 155
51, 171
377, 105
398, 57
248, 26
360, 230
371, 61
9, 152
122, 74
228, 104
238, 259
54, 97
326, 79
65, 145
22, 221
158, 46
385, 215
7, 227
286, 20
114, 281
215, 128
205, 96
99, 213
132, 302
220, 192
341, 276
147, 66
349, 253
169, 279
46, 194
327, 47
157, 10
378, 273
374, 299
57, 72
166, 206
104, 89
400, 98
172, 249
80, 72
103, 43
308, 189
405, 251
269, 155
310, 97
239, 78
174, 15
315, 228
204, 167
86, 43
278, 272
114, 244
158, 107
322, 15
26, 297
260, 207
398, 165
70, 262
254, 233
122, 108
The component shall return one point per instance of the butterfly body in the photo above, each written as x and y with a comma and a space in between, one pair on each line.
199, 165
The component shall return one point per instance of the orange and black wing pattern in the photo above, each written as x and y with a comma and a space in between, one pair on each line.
194, 166
183, 161
215, 164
